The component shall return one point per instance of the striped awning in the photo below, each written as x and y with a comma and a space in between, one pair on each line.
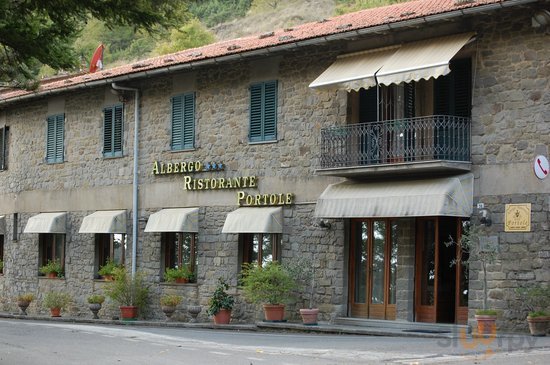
47, 223
354, 71
174, 220
447, 196
104, 221
254, 220
392, 65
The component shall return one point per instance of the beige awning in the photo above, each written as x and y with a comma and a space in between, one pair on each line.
47, 223
254, 220
354, 71
448, 196
174, 220
104, 221
422, 60
2, 224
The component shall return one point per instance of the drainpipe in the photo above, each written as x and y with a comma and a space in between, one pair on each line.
135, 178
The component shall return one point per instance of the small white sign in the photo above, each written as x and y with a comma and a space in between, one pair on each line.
541, 167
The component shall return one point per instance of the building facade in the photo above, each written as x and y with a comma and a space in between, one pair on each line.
361, 143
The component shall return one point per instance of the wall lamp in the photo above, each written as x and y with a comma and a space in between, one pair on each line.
324, 224
485, 217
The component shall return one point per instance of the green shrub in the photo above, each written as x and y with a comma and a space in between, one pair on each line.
486, 312
96, 299
220, 299
52, 267
54, 299
183, 272
27, 297
170, 300
271, 284
108, 268
127, 291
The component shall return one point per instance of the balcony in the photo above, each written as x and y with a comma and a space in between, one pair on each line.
437, 144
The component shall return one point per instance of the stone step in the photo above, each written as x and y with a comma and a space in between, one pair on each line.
403, 325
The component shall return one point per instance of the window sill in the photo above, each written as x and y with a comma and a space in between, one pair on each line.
164, 283
183, 150
47, 278
263, 142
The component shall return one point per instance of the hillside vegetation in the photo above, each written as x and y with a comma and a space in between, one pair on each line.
210, 21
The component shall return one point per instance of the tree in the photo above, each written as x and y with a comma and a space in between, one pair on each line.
42, 32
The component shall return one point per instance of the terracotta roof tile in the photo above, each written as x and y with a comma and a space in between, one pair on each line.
341, 24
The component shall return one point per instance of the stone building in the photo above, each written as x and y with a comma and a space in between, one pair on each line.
361, 142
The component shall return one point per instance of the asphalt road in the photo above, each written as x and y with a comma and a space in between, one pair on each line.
25, 342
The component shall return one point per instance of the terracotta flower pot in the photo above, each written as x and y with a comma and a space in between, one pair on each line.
223, 316
128, 312
274, 312
538, 326
55, 312
108, 277
182, 280
309, 316
486, 324
52, 275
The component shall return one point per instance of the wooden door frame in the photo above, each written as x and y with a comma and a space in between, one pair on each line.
425, 313
369, 310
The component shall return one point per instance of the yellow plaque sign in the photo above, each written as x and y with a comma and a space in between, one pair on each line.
517, 218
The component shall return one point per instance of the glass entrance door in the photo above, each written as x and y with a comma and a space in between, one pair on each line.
373, 265
441, 289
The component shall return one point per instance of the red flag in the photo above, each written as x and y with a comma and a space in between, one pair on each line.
97, 59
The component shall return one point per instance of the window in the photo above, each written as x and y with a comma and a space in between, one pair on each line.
4, 148
51, 248
263, 112
179, 249
260, 248
110, 247
183, 122
54, 138
112, 131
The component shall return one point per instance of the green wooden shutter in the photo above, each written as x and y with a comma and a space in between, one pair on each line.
256, 115
54, 138
112, 131
367, 105
263, 111
177, 122
183, 121
189, 120
118, 130
270, 111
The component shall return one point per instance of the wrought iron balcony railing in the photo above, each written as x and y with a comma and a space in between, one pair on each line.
436, 137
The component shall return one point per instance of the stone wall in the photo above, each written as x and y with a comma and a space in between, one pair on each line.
510, 127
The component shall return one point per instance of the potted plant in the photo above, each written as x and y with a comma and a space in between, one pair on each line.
23, 302
129, 292
169, 303
221, 303
537, 301
179, 275
95, 301
471, 247
303, 270
52, 269
55, 302
107, 271
271, 285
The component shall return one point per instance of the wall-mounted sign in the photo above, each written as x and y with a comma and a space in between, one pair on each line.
245, 199
162, 168
219, 183
190, 183
517, 217
540, 165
